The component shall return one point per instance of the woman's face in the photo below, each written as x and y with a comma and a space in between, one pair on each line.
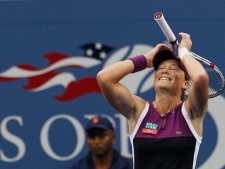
169, 76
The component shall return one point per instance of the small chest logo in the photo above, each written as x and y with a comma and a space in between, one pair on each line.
150, 128
178, 132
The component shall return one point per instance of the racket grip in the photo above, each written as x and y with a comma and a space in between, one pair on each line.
159, 18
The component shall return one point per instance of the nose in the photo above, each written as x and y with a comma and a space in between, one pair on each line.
165, 70
96, 139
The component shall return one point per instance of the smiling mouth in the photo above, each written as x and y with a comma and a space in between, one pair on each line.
164, 78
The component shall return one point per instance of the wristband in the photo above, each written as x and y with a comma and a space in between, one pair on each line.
182, 52
140, 63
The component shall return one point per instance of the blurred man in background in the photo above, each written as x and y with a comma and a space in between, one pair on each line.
102, 155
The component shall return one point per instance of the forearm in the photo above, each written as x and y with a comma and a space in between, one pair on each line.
115, 72
116, 94
195, 70
198, 93
119, 70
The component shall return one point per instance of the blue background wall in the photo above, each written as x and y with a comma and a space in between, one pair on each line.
38, 130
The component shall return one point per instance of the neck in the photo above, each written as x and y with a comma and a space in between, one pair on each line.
103, 161
164, 106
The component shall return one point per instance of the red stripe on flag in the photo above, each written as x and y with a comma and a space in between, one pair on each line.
78, 88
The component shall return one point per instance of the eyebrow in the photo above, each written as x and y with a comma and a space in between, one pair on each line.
175, 65
172, 64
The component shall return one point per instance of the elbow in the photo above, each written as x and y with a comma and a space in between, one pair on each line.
204, 77
101, 78
201, 78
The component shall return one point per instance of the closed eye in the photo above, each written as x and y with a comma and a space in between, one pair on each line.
161, 67
174, 68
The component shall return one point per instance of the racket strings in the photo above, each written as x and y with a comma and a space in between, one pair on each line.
216, 81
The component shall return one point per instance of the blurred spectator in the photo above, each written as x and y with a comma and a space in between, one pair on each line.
102, 155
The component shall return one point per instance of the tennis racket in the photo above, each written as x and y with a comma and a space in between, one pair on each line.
216, 78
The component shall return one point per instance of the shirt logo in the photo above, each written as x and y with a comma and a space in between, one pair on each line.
150, 128
178, 132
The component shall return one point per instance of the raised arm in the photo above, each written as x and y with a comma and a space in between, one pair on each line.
116, 94
197, 101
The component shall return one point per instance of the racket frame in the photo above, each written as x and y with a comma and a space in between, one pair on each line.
159, 18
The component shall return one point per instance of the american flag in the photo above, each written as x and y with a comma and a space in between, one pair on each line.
44, 78
96, 50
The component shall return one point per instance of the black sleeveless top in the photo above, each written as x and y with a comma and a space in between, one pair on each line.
164, 142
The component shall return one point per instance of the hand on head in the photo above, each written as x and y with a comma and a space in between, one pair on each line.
151, 54
185, 42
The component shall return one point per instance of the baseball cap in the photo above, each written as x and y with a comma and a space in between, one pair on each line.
99, 122
165, 55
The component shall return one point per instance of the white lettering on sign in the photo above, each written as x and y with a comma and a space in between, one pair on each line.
7, 135
46, 145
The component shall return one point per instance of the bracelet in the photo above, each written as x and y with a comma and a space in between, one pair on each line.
182, 52
140, 63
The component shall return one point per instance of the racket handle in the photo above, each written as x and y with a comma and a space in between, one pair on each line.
159, 18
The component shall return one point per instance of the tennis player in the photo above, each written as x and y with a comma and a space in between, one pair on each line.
165, 133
